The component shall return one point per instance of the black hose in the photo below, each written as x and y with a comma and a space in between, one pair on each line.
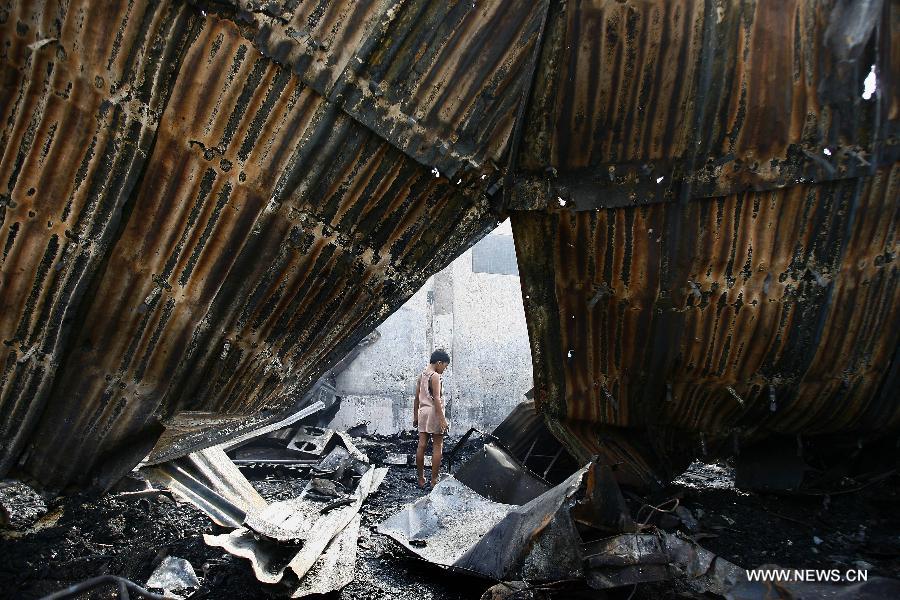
124, 586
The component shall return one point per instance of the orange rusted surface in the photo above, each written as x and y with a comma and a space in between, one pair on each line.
200, 217
203, 206
706, 223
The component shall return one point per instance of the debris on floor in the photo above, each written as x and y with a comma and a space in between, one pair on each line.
210, 481
174, 575
306, 544
703, 518
20, 506
525, 534
301, 445
496, 519
123, 588
294, 534
635, 558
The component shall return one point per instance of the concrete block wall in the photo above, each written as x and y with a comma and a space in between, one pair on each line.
478, 317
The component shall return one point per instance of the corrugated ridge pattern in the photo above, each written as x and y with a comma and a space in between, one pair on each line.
270, 231
439, 80
707, 312
80, 114
644, 81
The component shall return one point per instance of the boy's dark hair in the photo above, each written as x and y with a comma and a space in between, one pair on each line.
440, 355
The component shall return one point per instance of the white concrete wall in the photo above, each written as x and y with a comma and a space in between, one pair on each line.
479, 319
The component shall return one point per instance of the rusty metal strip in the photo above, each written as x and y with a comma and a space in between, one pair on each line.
519, 127
651, 182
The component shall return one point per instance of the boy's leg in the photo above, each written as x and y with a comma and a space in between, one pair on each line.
420, 458
437, 441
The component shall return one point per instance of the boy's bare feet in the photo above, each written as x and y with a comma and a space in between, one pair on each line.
421, 483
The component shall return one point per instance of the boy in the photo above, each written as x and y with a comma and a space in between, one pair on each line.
428, 415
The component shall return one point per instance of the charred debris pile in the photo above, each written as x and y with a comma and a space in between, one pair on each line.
307, 510
205, 205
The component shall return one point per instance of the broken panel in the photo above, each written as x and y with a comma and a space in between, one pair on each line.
705, 220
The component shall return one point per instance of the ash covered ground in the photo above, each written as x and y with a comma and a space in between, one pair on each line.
84, 537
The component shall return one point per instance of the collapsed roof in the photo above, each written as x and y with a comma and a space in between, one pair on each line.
205, 205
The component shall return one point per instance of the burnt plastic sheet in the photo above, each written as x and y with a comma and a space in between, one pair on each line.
634, 558
173, 575
456, 527
498, 476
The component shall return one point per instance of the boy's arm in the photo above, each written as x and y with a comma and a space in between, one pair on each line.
416, 407
436, 385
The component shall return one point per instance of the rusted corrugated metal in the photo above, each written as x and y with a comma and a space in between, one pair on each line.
80, 114
439, 80
197, 222
706, 219
200, 213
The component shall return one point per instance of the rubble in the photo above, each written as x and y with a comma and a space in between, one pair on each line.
20, 505
124, 589
299, 516
173, 575
534, 538
301, 445
306, 544
636, 558
210, 481
495, 519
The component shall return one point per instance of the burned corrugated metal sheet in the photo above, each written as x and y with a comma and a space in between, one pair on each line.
706, 215
80, 115
539, 539
525, 435
200, 213
439, 80
196, 225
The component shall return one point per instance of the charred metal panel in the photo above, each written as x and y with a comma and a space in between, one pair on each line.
238, 237
200, 213
83, 89
706, 223
439, 80
724, 96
